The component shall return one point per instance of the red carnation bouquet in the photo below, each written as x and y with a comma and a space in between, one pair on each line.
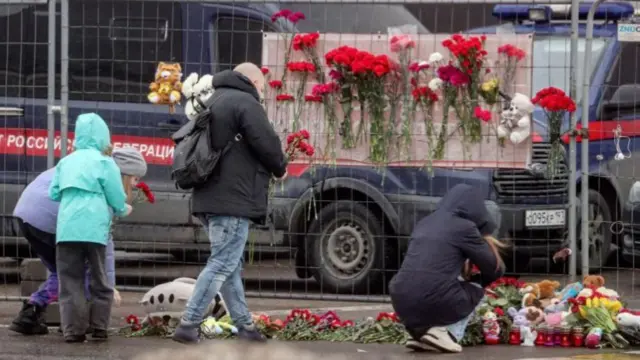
143, 194
556, 105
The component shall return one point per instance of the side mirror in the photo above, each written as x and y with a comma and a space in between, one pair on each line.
625, 101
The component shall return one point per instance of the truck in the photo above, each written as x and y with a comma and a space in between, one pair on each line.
612, 98
343, 225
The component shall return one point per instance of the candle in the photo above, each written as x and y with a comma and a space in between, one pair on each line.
557, 336
515, 336
565, 335
549, 339
542, 332
577, 336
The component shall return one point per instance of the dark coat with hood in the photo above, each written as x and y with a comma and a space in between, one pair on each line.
427, 292
239, 184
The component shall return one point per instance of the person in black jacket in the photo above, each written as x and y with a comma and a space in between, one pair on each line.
429, 295
233, 196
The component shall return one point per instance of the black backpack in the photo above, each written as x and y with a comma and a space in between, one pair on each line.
193, 158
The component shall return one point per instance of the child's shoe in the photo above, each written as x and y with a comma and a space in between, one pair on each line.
75, 338
99, 334
30, 321
250, 333
187, 334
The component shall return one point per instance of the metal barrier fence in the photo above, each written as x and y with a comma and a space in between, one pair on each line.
345, 240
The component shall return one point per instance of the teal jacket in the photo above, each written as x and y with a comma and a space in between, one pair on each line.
88, 185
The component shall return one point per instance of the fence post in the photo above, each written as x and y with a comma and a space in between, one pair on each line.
573, 92
584, 161
51, 85
64, 76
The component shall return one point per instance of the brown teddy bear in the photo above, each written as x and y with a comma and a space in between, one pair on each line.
165, 89
594, 281
537, 294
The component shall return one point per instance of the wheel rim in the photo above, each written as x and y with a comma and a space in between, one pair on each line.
348, 249
596, 233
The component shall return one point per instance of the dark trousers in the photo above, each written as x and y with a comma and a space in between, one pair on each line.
43, 244
76, 314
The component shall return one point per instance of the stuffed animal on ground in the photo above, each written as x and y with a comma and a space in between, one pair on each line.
490, 328
628, 320
535, 315
592, 340
166, 87
515, 121
570, 291
196, 90
519, 317
528, 337
593, 281
169, 299
556, 305
212, 326
535, 293
556, 319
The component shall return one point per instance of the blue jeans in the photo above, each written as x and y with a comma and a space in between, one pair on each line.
222, 273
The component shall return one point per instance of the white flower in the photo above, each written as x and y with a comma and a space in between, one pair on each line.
434, 58
435, 84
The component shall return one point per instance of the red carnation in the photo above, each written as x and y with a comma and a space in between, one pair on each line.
284, 97
265, 70
146, 191
275, 84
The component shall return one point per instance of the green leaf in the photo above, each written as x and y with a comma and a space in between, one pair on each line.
500, 302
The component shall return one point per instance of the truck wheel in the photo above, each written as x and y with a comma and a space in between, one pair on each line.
600, 235
346, 248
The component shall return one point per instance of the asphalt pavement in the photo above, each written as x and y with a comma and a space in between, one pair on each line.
279, 291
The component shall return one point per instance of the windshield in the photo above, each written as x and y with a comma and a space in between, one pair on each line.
551, 62
328, 17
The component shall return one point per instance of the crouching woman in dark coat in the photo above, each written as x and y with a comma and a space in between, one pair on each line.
429, 295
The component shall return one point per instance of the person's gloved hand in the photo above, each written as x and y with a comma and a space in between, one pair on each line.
117, 300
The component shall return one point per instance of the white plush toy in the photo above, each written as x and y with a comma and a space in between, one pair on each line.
170, 299
197, 90
528, 336
515, 121
628, 320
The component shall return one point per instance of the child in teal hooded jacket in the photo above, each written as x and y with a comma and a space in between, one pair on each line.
88, 185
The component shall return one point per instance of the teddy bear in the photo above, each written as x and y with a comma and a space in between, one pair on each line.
515, 121
536, 293
165, 89
196, 90
593, 281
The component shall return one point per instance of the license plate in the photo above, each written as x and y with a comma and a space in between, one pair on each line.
544, 218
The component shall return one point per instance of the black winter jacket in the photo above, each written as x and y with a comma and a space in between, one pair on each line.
239, 185
427, 292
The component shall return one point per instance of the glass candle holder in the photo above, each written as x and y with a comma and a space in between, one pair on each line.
549, 338
515, 336
542, 333
565, 336
577, 336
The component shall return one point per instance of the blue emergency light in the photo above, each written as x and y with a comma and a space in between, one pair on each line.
611, 11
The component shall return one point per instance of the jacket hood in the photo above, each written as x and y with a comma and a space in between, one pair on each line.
235, 80
91, 132
463, 201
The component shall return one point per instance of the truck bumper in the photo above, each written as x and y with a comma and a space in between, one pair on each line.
531, 240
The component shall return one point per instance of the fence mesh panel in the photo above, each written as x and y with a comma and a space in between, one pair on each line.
352, 245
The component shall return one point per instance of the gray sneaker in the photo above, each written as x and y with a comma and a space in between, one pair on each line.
250, 333
186, 334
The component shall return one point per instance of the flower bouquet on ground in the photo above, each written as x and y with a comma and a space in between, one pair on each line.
267, 326
556, 105
505, 293
597, 311
386, 328
151, 326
